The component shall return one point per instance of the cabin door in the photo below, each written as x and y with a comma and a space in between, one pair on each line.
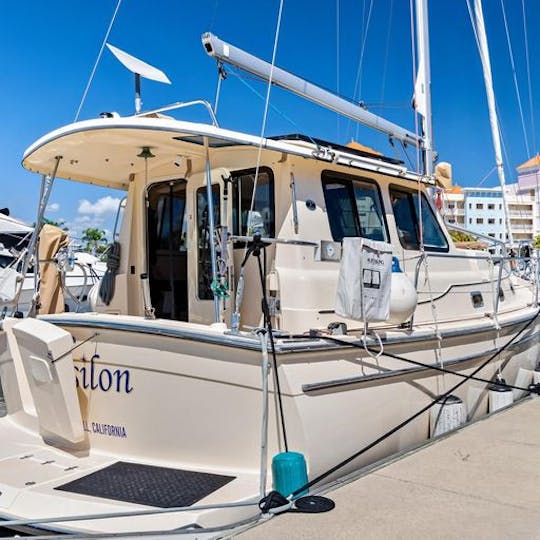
167, 249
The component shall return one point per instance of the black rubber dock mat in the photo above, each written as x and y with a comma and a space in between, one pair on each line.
148, 485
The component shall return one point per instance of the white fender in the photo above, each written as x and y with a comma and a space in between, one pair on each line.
403, 297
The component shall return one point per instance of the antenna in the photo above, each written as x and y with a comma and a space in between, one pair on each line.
139, 69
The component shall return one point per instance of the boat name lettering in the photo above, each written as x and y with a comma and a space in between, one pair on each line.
93, 377
110, 430
375, 260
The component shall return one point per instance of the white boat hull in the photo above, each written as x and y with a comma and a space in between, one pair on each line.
207, 384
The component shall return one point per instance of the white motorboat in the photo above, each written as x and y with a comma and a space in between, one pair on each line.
83, 272
184, 389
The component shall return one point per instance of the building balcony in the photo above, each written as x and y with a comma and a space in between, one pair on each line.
521, 228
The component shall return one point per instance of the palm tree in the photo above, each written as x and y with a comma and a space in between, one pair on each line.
459, 236
61, 224
94, 238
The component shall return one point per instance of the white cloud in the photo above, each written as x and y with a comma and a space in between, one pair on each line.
103, 206
84, 219
53, 207
79, 224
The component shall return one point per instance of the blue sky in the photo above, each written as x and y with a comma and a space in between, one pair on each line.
49, 48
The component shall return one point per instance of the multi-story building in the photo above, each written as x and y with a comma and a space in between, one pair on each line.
522, 207
481, 210
529, 180
484, 212
454, 206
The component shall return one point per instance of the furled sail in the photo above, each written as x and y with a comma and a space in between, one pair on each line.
483, 49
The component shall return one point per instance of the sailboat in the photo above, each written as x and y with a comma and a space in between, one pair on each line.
173, 404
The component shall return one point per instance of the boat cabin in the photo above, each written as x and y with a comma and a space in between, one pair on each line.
308, 194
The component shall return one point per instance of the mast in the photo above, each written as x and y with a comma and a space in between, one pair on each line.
422, 88
495, 134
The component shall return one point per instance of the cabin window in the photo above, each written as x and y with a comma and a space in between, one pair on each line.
204, 269
262, 216
353, 206
406, 213
170, 223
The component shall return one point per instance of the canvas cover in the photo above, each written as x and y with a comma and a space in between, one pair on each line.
51, 240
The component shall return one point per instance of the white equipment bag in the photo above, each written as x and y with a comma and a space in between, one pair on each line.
365, 278
9, 284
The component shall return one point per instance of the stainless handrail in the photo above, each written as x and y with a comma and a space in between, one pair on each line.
475, 234
181, 105
238, 238
500, 276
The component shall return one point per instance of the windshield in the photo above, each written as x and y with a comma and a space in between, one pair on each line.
354, 207
407, 215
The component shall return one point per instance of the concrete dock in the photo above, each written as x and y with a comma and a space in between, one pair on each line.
483, 481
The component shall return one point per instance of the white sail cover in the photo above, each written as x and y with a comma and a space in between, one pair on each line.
9, 225
365, 278
420, 96
10, 280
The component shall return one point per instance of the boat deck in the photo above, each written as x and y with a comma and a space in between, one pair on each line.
480, 482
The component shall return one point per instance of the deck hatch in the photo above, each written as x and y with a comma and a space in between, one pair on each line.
213, 142
147, 485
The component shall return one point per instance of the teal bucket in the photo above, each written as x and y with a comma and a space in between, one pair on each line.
289, 472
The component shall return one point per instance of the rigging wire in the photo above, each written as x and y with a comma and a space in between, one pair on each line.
221, 78
358, 82
254, 250
91, 78
337, 62
531, 109
380, 105
385, 63
406, 154
514, 75
433, 367
243, 80
268, 324
475, 23
418, 60
518, 195
214, 13
413, 417
491, 171
265, 115
529, 87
